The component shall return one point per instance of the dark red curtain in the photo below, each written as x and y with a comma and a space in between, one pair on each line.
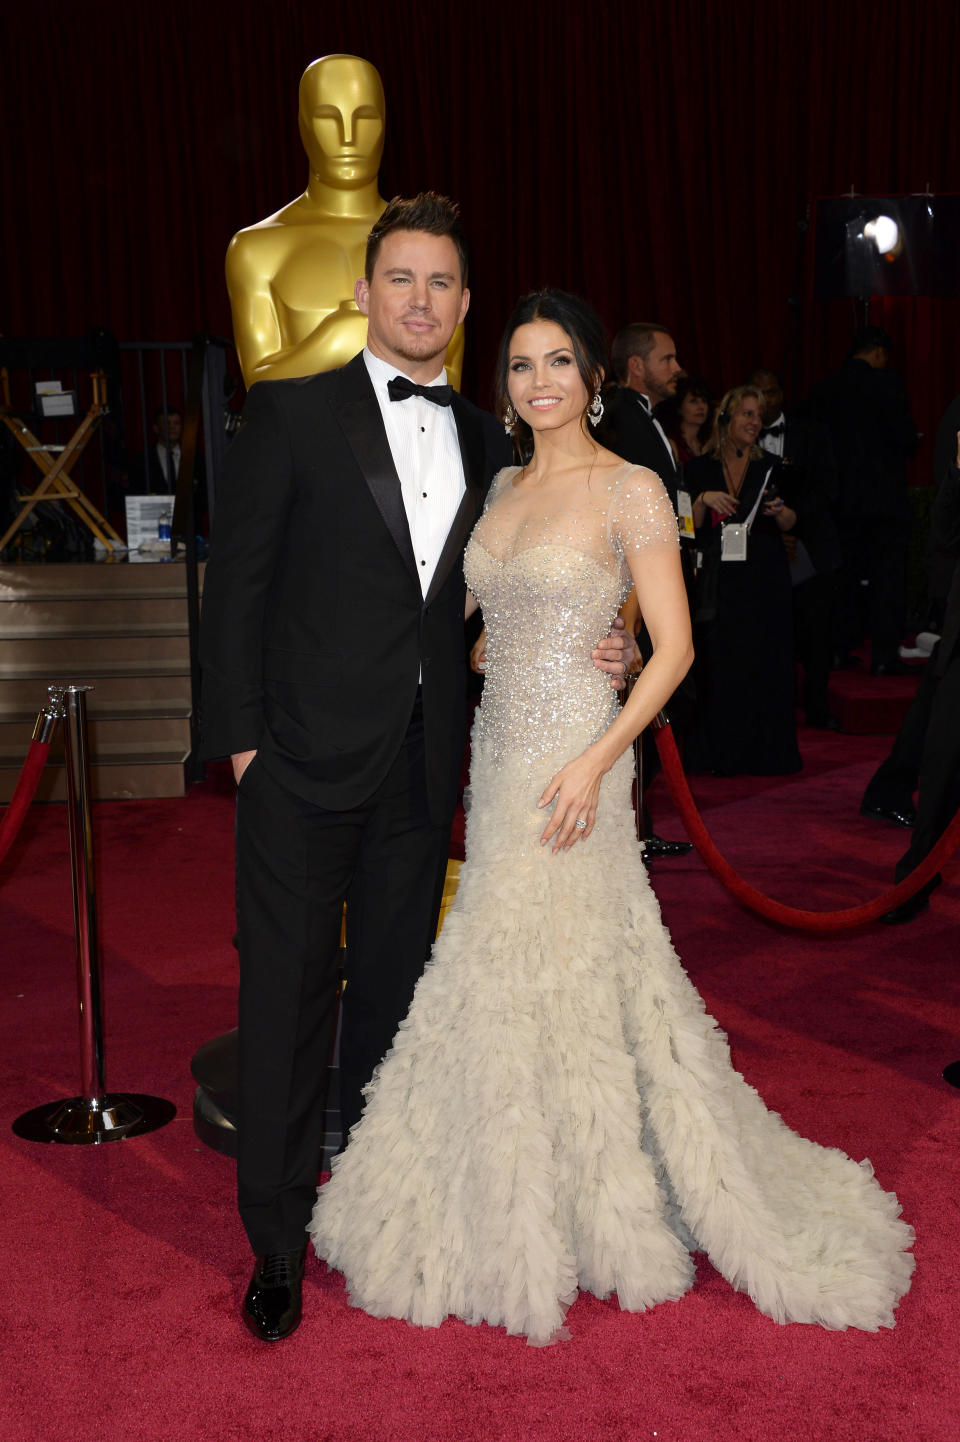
656, 158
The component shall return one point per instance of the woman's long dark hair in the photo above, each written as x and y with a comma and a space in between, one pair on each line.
668, 413
588, 341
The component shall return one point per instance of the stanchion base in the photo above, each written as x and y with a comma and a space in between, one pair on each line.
215, 1108
212, 1125
82, 1122
951, 1073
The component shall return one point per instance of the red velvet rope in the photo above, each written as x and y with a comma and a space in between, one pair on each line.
775, 910
23, 795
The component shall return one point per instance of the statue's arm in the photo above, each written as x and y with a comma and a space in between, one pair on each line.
256, 327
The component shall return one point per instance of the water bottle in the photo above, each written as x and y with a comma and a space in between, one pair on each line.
163, 526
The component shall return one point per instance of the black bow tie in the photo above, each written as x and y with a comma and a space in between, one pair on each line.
775, 430
400, 389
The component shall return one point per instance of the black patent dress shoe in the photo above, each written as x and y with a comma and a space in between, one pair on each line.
899, 815
892, 668
272, 1306
913, 906
656, 846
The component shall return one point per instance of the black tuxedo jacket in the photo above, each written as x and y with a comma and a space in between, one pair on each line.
628, 431
811, 487
872, 434
147, 477
314, 629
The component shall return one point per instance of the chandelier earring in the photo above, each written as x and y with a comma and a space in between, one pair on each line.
595, 409
509, 419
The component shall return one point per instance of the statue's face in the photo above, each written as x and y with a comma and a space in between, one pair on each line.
342, 120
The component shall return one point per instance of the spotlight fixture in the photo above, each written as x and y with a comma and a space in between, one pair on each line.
885, 234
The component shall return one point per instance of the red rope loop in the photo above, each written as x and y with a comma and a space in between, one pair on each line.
23, 795
775, 910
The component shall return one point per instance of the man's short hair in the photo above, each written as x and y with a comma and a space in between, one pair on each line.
871, 338
638, 338
428, 212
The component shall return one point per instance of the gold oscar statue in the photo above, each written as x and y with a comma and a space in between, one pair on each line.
291, 277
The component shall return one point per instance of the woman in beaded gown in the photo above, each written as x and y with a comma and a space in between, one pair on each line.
557, 1111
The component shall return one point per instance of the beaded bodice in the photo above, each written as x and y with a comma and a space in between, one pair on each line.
550, 582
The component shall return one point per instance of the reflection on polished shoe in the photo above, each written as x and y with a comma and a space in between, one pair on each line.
657, 846
899, 815
914, 905
272, 1306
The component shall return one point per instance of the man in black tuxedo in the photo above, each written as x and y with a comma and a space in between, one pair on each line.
157, 470
332, 643
644, 361
810, 478
864, 407
926, 753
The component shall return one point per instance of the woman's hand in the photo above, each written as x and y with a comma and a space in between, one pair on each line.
785, 518
616, 654
576, 787
719, 501
478, 653
241, 760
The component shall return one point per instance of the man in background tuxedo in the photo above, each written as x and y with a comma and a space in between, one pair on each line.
926, 753
644, 361
332, 643
811, 480
864, 407
157, 470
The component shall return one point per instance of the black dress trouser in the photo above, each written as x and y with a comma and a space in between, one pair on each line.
296, 865
938, 795
924, 757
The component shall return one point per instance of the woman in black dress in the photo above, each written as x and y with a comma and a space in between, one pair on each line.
744, 644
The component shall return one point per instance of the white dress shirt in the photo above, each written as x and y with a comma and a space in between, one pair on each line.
426, 452
167, 459
774, 443
644, 400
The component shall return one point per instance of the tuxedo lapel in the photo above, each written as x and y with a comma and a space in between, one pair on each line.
657, 436
470, 434
362, 424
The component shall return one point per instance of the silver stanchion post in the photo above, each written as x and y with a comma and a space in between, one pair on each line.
97, 1115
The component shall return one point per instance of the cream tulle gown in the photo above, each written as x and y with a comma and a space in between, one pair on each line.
558, 1111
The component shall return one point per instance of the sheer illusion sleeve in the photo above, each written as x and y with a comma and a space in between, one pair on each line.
641, 514
498, 483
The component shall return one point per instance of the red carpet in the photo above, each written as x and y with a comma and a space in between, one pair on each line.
124, 1265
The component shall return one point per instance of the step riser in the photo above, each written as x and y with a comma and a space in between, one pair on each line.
62, 615
123, 579
107, 783
15, 737
89, 651
32, 694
